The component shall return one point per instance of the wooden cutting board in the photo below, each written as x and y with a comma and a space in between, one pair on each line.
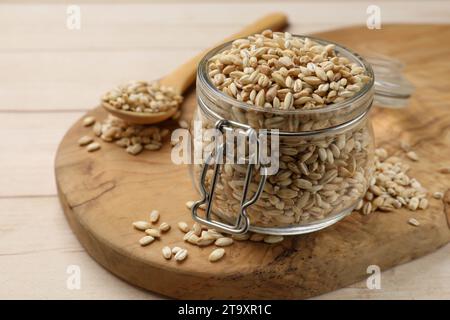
102, 193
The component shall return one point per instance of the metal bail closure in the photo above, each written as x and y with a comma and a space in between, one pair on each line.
242, 223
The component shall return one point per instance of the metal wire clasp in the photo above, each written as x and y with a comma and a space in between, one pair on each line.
242, 222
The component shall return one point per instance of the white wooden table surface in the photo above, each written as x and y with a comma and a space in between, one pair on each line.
50, 75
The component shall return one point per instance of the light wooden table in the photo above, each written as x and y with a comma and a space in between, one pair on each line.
50, 75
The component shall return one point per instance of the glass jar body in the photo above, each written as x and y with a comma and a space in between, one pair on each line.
324, 158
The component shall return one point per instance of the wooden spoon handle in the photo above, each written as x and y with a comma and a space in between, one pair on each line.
182, 77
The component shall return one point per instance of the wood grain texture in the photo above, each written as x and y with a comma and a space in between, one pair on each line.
102, 193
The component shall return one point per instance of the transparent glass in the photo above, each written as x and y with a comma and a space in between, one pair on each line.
325, 158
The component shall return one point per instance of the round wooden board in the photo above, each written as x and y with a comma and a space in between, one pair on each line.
103, 192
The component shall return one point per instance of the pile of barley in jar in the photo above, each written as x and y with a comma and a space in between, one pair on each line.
318, 176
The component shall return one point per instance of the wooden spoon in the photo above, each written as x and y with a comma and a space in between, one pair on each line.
182, 77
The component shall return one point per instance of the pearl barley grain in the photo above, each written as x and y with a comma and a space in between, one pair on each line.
272, 239
167, 252
154, 216
144, 241
438, 195
256, 237
212, 233
197, 228
181, 255
188, 235
223, 242
241, 237
413, 204
190, 204
183, 226
141, 225
216, 255
204, 241
175, 250
134, 149
183, 124
423, 203
85, 140
94, 146
164, 227
412, 155
88, 121
155, 233
414, 222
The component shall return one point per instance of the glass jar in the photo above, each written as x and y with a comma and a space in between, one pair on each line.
325, 160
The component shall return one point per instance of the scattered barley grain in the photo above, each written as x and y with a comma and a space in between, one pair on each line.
223, 242
181, 255
85, 140
141, 225
88, 121
144, 241
164, 227
412, 155
438, 195
183, 226
167, 252
273, 239
155, 233
154, 216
